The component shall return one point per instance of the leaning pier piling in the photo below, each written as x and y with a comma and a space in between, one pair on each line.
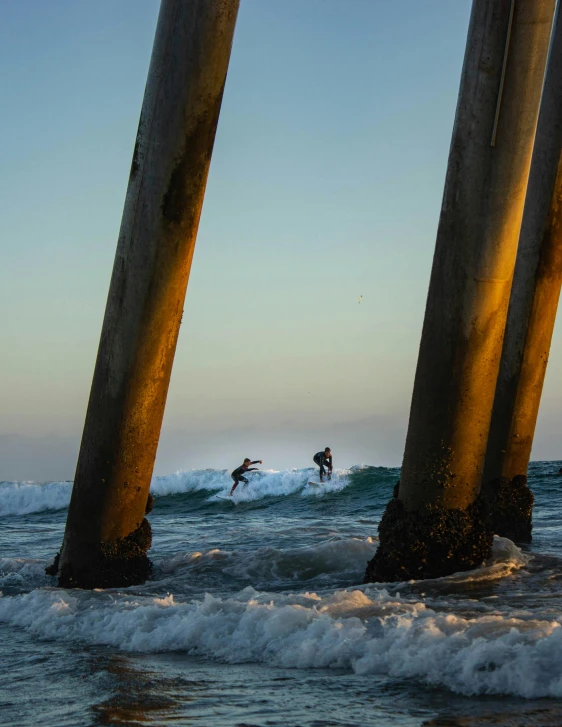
530, 322
437, 525
107, 536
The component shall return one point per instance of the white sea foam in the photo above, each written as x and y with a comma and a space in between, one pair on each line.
189, 481
22, 573
366, 630
23, 498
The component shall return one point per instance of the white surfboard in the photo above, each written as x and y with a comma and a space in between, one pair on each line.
315, 484
228, 499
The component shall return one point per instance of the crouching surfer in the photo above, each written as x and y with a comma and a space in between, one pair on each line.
324, 458
238, 474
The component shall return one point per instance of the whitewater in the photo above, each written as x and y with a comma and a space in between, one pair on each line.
256, 614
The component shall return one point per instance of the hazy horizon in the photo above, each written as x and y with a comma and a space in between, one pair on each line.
325, 184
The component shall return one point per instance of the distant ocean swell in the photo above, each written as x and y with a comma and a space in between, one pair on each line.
367, 630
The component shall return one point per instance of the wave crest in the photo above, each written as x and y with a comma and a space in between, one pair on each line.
368, 631
24, 498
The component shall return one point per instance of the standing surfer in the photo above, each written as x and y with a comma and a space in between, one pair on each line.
238, 474
324, 458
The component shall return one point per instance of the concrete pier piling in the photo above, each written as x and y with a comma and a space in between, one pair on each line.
107, 536
436, 524
532, 311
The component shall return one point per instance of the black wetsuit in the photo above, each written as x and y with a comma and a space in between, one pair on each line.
238, 474
320, 459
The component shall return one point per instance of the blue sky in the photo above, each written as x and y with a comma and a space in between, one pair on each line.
325, 184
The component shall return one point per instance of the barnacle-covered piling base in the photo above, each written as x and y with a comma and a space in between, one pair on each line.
429, 543
510, 508
110, 564
113, 564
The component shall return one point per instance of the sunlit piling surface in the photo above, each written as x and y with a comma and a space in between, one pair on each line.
532, 311
468, 296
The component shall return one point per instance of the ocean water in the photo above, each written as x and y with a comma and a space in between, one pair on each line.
256, 615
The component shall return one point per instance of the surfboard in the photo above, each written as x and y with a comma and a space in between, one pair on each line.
315, 484
228, 499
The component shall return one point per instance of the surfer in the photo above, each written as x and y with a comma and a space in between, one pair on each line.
238, 474
324, 458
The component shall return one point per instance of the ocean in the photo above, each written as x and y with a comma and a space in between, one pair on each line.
256, 615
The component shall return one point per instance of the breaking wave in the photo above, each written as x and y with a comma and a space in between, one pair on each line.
264, 483
24, 498
368, 630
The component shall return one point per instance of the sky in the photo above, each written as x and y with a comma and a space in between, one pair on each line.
325, 184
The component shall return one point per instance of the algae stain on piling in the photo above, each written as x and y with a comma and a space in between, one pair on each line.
184, 194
